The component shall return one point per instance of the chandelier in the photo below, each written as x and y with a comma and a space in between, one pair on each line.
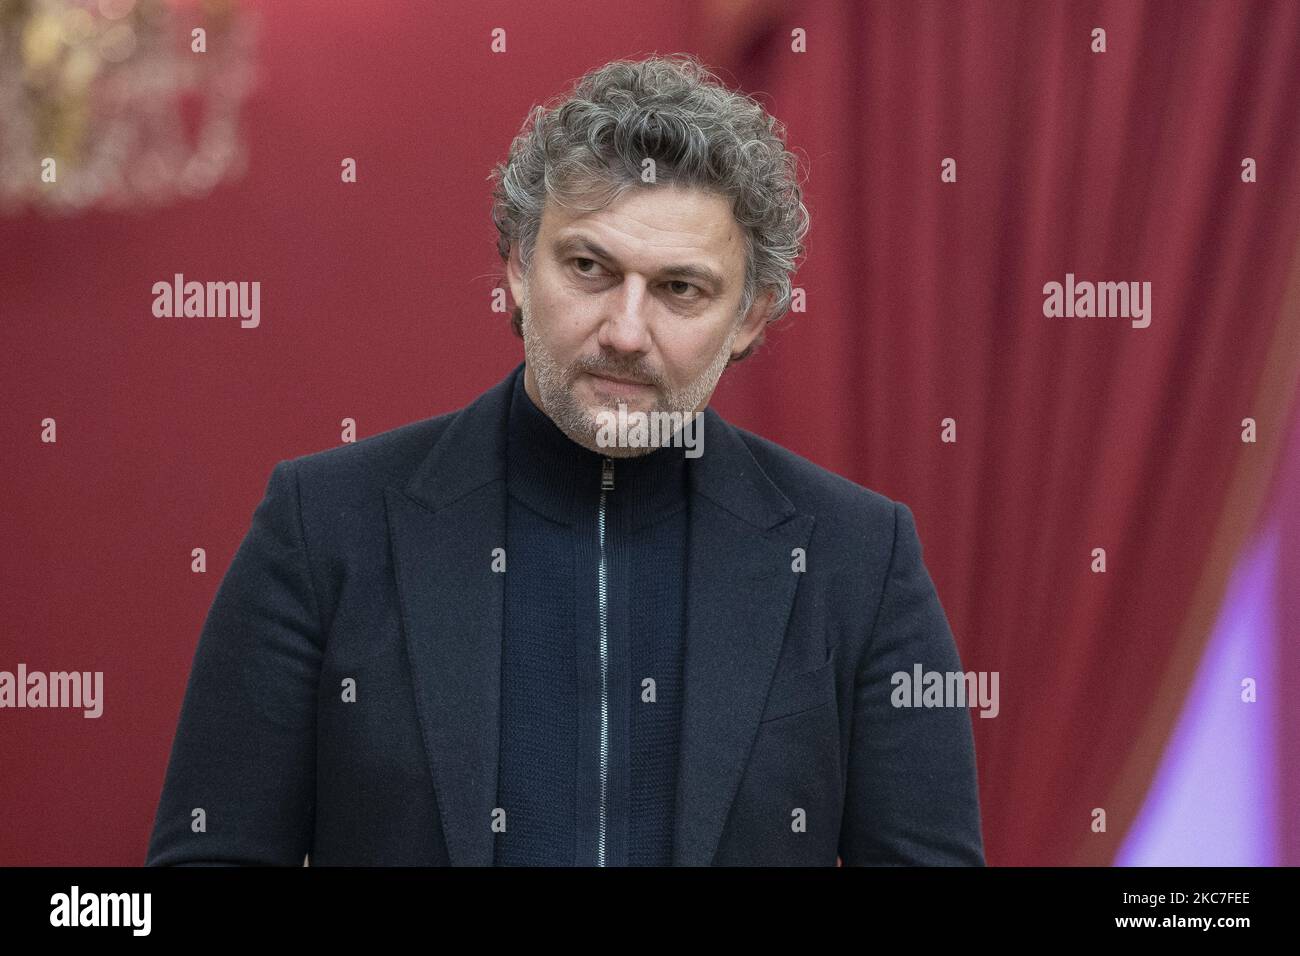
115, 104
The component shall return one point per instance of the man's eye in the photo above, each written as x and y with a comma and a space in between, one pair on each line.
677, 287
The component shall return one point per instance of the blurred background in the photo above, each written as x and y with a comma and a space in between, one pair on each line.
1164, 690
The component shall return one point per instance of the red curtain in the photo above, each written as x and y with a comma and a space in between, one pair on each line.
925, 302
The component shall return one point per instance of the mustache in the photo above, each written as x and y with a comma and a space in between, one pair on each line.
629, 374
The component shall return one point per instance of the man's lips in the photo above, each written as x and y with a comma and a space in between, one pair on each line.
618, 386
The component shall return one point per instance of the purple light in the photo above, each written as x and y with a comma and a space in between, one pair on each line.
1213, 800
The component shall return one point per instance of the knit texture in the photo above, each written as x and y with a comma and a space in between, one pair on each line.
551, 766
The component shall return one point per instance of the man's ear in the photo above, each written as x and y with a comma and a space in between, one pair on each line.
515, 275
753, 322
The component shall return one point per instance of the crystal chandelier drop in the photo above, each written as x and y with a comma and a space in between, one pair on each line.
111, 104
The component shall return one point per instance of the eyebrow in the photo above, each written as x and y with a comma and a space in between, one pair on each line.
702, 274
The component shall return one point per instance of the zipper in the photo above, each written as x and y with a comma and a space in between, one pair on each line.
606, 486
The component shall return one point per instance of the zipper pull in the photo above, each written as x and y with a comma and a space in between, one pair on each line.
607, 475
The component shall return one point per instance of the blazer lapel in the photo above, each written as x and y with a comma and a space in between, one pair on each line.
444, 525
740, 591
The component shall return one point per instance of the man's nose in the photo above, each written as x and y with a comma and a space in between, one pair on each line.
626, 327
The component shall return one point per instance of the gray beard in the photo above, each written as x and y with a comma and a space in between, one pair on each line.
554, 384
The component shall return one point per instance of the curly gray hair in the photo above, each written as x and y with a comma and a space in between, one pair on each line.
589, 148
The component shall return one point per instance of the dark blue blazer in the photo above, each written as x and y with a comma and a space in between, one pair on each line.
343, 701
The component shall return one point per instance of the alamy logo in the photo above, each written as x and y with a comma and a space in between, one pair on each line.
102, 909
56, 689
1129, 300
208, 300
651, 430
946, 689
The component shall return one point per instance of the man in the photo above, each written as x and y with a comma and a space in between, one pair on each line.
514, 635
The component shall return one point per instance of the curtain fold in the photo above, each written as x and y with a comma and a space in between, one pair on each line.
925, 302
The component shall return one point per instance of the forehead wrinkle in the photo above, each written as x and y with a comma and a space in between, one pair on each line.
705, 217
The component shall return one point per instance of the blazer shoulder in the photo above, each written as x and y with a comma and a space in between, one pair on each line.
817, 490
387, 457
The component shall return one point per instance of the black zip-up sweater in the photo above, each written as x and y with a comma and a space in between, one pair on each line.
589, 740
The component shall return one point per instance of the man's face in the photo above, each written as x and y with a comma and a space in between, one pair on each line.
646, 290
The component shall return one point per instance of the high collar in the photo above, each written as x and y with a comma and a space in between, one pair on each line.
561, 479
470, 454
